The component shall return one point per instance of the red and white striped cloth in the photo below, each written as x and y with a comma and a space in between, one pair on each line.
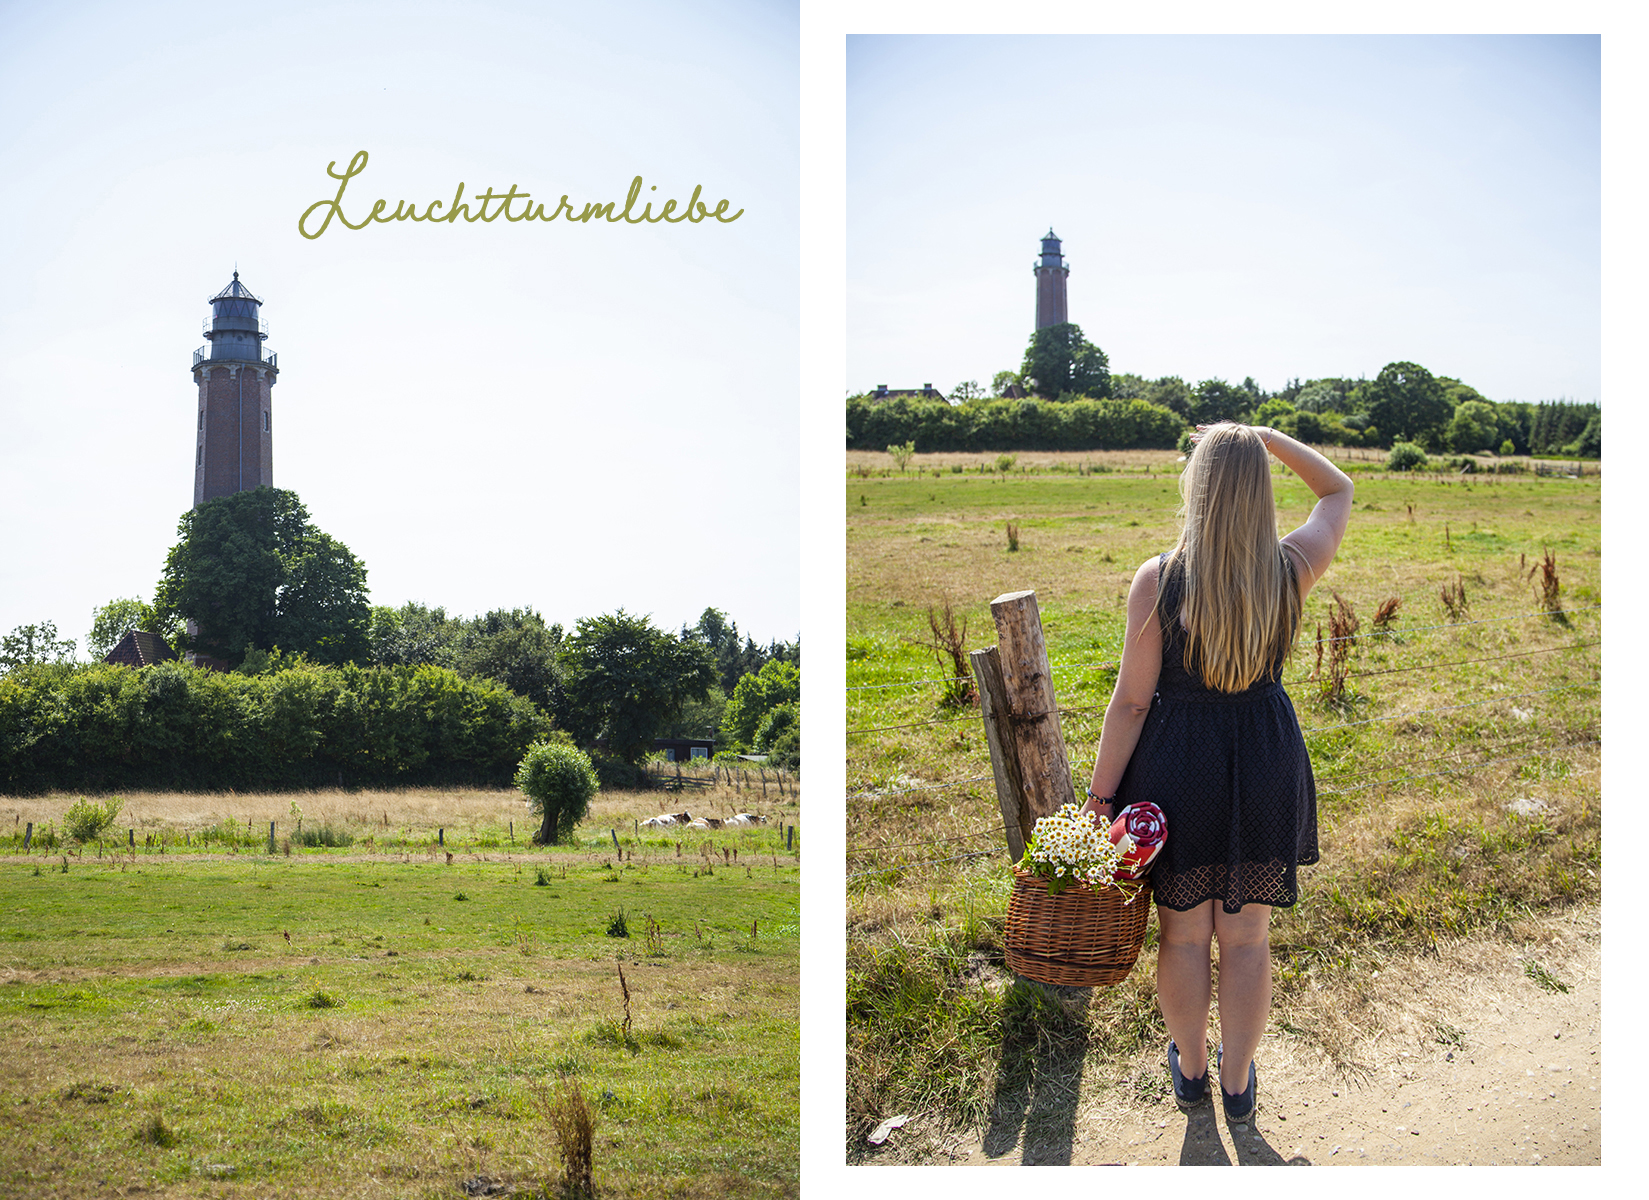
1145, 824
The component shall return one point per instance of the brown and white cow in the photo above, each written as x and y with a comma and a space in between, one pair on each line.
666, 819
747, 819
706, 822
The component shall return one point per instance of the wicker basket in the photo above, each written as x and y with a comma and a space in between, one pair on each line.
1083, 937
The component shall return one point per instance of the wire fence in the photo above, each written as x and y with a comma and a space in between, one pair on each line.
1449, 763
1112, 665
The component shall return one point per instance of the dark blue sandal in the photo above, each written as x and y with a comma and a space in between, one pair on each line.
1187, 1092
1240, 1108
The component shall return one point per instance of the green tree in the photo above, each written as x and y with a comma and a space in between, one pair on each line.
626, 679
1405, 456
1406, 403
1475, 427
776, 683
1216, 400
1059, 361
414, 635
964, 392
775, 723
29, 644
251, 571
902, 454
516, 648
1002, 381
558, 781
117, 618
1320, 396
1171, 392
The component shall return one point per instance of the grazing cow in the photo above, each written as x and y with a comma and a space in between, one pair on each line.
747, 819
706, 822
665, 819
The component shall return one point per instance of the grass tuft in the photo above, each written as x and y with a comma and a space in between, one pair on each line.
573, 1121
155, 1132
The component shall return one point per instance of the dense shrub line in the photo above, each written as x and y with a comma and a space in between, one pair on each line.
99, 727
998, 424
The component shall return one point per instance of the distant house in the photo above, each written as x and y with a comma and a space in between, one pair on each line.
140, 649
685, 749
926, 392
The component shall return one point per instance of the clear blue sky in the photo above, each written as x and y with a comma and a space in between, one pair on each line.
572, 417
1273, 206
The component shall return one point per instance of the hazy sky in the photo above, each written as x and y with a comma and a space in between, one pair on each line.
1273, 206
575, 417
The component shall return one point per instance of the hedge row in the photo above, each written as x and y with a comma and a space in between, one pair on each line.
1011, 425
99, 727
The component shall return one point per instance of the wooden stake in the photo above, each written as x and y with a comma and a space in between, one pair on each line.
993, 705
1036, 744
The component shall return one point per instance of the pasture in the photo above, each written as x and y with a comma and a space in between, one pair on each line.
390, 1010
1456, 760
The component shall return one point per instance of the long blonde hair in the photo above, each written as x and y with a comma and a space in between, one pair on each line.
1241, 601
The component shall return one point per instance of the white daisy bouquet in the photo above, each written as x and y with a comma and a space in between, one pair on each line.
1069, 847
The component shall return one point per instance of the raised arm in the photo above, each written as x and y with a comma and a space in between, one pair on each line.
1314, 544
1131, 699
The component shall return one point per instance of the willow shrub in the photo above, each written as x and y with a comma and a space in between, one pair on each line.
103, 727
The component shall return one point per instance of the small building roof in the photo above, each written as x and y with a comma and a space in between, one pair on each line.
140, 649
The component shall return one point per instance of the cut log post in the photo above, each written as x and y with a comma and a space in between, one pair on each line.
993, 706
1029, 743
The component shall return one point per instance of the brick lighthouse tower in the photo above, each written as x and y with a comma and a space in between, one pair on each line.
1051, 271
235, 378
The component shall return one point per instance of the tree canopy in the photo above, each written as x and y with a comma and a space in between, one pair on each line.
1060, 362
252, 572
117, 618
625, 679
30, 644
1406, 403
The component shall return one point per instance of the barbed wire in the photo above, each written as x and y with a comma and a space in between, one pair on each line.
1568, 687
1088, 708
1321, 641
1464, 662
1457, 767
925, 862
873, 794
1431, 774
995, 831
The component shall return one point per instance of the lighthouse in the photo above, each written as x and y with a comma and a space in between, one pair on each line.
1051, 270
234, 377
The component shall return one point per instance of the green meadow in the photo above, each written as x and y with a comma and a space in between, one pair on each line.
224, 1022
1455, 744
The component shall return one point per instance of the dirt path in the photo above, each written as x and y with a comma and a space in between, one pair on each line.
1474, 1062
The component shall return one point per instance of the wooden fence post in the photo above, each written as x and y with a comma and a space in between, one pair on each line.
271, 837
993, 706
28, 836
1028, 759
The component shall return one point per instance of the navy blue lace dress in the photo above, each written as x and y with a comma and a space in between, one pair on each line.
1231, 775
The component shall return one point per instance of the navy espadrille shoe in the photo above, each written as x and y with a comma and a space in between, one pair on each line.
1188, 1093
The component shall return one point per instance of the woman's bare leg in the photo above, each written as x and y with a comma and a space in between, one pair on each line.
1184, 986
1245, 988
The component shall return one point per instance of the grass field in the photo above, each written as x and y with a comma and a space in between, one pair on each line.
1457, 765
376, 1018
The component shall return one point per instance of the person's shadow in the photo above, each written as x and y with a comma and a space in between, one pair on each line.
1039, 1078
1203, 1146
1039, 1082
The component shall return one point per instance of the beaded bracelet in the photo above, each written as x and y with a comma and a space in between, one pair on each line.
1111, 800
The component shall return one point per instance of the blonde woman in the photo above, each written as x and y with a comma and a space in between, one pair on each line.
1200, 726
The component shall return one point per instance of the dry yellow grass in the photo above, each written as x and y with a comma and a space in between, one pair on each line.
413, 812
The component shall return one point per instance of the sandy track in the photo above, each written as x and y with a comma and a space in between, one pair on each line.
1521, 1083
